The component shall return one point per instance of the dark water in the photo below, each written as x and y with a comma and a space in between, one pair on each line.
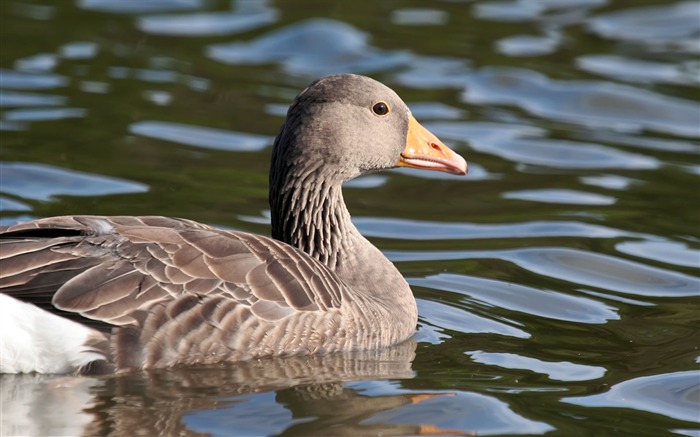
557, 284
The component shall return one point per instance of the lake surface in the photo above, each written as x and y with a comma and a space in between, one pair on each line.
557, 284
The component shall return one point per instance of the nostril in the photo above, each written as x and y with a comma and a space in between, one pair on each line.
435, 147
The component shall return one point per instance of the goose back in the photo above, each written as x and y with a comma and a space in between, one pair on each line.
174, 291
99, 294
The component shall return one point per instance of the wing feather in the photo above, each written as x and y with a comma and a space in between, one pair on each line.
107, 271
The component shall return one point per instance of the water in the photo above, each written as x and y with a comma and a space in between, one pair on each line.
557, 284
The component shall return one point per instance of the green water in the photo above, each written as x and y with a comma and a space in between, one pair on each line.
557, 284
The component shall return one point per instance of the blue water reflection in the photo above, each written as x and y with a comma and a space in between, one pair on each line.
560, 196
580, 267
200, 136
312, 48
559, 370
586, 103
674, 395
448, 317
79, 50
28, 81
41, 114
138, 6
530, 10
465, 412
671, 252
668, 24
556, 284
419, 17
248, 16
593, 104
405, 229
543, 303
605, 272
16, 99
636, 70
42, 182
524, 144
529, 45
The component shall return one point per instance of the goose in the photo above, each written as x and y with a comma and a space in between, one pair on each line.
94, 295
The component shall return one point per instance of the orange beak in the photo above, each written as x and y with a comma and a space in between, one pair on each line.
425, 151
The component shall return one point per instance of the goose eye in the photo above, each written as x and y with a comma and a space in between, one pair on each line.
380, 108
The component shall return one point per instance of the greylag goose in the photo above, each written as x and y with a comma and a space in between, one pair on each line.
93, 294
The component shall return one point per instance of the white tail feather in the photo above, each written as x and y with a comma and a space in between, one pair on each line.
34, 340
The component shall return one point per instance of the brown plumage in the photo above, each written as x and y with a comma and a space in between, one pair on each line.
157, 291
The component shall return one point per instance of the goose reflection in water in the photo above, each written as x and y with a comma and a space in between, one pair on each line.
312, 389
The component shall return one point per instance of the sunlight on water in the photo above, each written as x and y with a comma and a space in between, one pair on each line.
674, 395
557, 284
201, 136
41, 182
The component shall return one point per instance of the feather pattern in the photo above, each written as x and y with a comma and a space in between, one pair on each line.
171, 283
146, 292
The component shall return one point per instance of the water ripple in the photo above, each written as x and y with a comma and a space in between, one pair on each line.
455, 319
665, 251
20, 80
435, 110
13, 205
516, 143
41, 62
559, 371
588, 103
465, 411
78, 50
527, 10
650, 23
561, 196
604, 271
645, 142
529, 45
577, 266
559, 293
14, 99
43, 114
544, 303
139, 6
594, 104
674, 395
405, 229
635, 70
207, 24
200, 136
419, 17
41, 182
609, 181
312, 47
